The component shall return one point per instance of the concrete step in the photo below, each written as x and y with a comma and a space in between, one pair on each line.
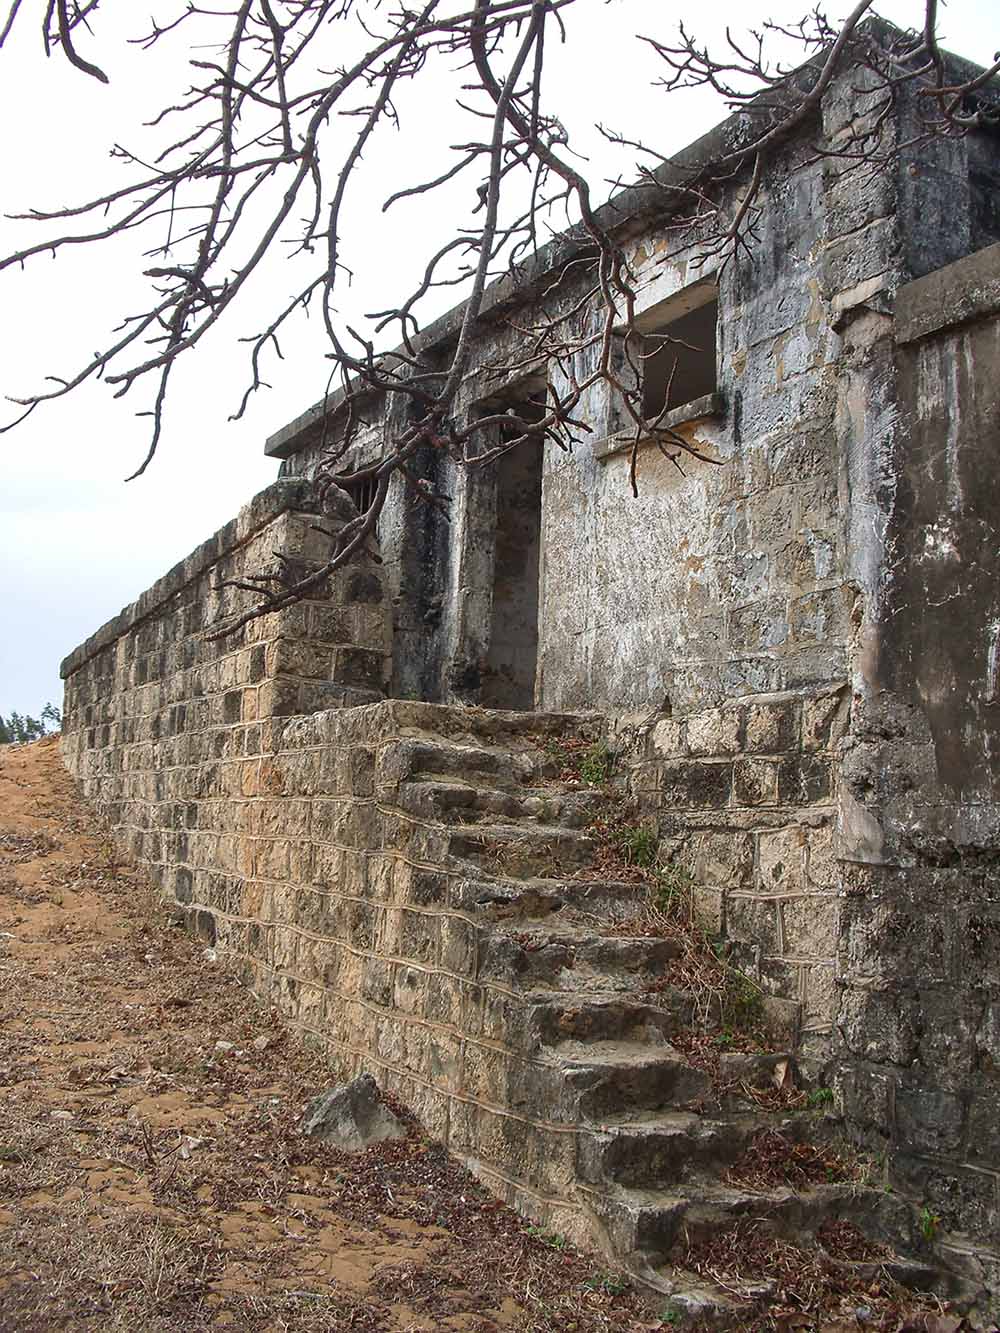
517, 851
610, 1077
493, 726
664, 1149
652, 1223
504, 751
464, 763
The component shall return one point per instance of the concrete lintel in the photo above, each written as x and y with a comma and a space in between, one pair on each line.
709, 406
967, 290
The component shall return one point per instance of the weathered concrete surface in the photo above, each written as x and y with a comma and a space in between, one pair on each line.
919, 966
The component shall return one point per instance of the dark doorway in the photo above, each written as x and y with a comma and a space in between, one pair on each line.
509, 678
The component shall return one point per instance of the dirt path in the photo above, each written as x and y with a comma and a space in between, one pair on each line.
151, 1177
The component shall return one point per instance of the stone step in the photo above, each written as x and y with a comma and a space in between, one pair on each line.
603, 1015
467, 764
568, 957
537, 898
467, 802
498, 727
516, 851
663, 1149
610, 1077
652, 1223
695, 1297
690, 1298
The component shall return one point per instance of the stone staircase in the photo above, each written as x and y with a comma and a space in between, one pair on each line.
659, 1137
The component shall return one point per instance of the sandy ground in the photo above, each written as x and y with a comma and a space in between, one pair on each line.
153, 1179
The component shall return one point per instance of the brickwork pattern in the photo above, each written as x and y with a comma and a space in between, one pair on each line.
745, 801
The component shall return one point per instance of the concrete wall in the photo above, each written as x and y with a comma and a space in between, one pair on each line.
919, 960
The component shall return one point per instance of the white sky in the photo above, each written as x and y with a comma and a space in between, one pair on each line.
75, 542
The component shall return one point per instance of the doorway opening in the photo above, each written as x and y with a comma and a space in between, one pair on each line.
508, 680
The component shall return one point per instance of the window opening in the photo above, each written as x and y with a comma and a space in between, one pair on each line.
678, 361
362, 493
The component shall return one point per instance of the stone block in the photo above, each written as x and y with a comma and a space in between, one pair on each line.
299, 657
359, 666
819, 617
708, 908
755, 782
929, 1121
963, 1197
459, 945
453, 1004
987, 1040
696, 784
804, 779
716, 732
824, 719
979, 946
781, 860
418, 936
666, 738
823, 868
984, 1128
866, 1096
882, 941
489, 1074
411, 986
428, 888
810, 927
771, 727
443, 1060
759, 626
723, 859
880, 1026
378, 984
821, 996
754, 921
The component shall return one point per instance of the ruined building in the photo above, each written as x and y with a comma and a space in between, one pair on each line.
793, 656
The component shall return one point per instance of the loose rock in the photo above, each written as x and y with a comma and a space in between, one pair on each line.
352, 1116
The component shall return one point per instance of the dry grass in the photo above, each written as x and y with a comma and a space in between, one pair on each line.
773, 1159
785, 1286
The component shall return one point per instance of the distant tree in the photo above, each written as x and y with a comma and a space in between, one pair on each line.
16, 729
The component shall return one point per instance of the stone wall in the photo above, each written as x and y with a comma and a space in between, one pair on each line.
270, 795
353, 917
733, 577
158, 717
745, 801
919, 963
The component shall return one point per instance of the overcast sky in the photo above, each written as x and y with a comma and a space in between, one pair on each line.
76, 543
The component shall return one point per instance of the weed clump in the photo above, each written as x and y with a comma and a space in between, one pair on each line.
637, 844
596, 765
742, 1002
